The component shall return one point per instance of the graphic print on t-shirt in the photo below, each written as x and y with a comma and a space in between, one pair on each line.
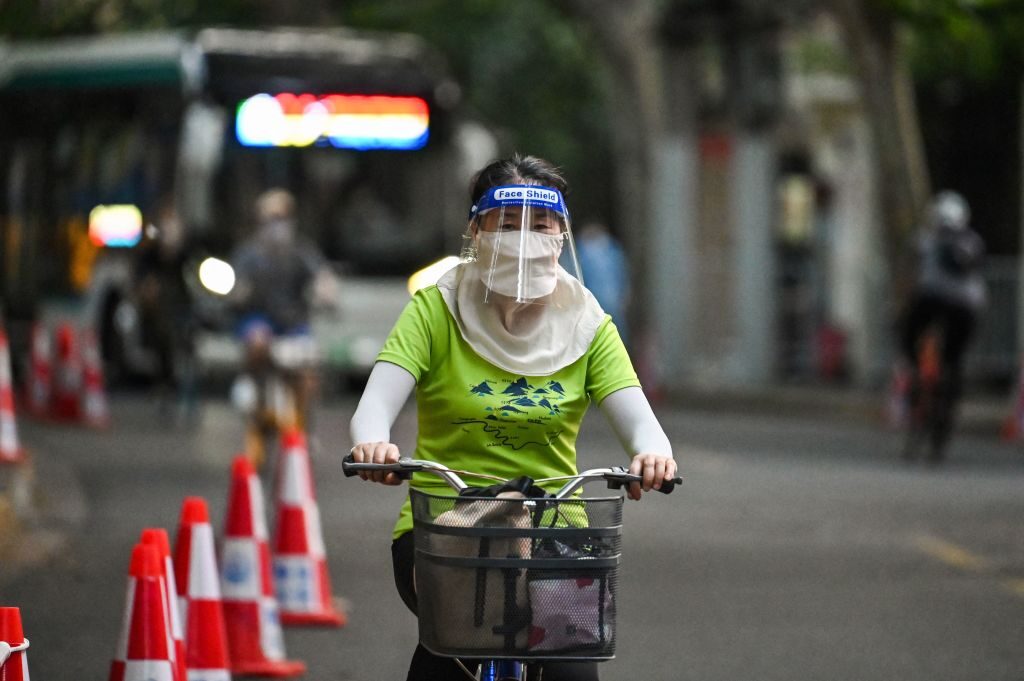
517, 413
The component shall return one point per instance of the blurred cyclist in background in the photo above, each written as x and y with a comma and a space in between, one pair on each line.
949, 294
279, 277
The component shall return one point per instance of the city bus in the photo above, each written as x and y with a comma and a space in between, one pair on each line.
97, 133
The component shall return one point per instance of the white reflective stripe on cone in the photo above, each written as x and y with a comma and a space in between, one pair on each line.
8, 434
314, 532
202, 570
271, 636
121, 653
183, 611
177, 631
240, 576
168, 608
5, 362
258, 509
209, 675
295, 489
148, 670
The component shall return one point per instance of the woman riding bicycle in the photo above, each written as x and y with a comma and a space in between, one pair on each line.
505, 353
948, 296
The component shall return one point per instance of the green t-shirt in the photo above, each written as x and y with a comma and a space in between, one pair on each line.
475, 416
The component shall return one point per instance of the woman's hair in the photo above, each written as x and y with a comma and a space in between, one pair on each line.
516, 169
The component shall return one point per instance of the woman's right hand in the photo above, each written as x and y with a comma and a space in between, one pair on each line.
377, 452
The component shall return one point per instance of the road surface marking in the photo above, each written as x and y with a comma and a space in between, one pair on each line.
951, 554
962, 559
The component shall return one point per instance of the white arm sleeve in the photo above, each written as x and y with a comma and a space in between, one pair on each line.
386, 391
631, 417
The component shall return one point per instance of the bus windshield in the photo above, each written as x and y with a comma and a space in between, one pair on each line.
96, 134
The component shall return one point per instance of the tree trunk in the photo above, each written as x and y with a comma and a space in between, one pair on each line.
625, 33
901, 172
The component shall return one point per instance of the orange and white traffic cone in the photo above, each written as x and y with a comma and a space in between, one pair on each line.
10, 450
145, 650
39, 376
13, 646
301, 578
250, 608
195, 567
157, 538
897, 401
67, 385
95, 408
1013, 425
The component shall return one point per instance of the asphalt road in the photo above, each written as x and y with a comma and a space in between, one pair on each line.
798, 548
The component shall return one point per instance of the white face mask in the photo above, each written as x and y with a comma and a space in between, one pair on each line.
517, 265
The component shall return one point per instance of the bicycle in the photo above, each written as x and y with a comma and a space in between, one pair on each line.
930, 406
273, 394
553, 560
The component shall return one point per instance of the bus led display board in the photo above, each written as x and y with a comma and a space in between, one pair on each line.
344, 121
115, 226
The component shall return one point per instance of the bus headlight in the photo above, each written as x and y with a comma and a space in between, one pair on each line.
431, 273
217, 276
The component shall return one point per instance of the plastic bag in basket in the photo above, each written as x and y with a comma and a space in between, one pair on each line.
570, 613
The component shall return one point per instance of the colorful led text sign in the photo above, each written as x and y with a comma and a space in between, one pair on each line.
343, 121
116, 226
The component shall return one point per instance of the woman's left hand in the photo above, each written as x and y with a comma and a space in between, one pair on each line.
654, 468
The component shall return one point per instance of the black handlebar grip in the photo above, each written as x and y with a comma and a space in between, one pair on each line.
668, 485
350, 468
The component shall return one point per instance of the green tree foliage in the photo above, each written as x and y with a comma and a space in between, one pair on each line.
526, 71
45, 18
979, 40
968, 62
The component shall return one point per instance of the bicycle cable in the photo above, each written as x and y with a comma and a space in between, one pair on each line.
478, 475
463, 668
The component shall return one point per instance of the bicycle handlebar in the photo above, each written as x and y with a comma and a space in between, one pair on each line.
616, 476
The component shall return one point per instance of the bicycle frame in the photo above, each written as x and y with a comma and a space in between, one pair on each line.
615, 477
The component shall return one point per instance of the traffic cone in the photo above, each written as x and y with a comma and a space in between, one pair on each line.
39, 375
301, 578
96, 410
1013, 424
145, 650
67, 385
896, 405
157, 538
250, 608
10, 450
13, 646
195, 567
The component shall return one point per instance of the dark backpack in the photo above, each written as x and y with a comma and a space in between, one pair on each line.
959, 253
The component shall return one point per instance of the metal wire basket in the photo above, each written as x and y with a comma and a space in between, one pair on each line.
515, 578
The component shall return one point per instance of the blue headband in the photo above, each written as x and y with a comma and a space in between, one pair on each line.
520, 195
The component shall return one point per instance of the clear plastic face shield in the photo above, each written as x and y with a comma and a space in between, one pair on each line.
521, 240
